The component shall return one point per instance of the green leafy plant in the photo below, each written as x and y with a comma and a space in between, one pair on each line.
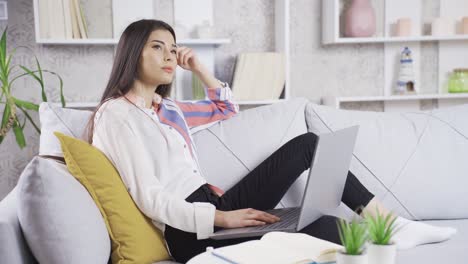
380, 228
8, 75
353, 236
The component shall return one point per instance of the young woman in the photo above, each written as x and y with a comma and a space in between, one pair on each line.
146, 135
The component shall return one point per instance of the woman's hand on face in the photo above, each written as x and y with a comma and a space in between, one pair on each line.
187, 59
243, 218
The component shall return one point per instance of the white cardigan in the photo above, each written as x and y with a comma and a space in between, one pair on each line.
155, 166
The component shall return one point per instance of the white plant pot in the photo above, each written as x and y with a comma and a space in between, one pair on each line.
342, 258
382, 254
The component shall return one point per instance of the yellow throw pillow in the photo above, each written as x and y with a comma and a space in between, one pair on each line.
134, 238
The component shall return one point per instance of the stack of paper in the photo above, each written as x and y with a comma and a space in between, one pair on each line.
259, 76
61, 19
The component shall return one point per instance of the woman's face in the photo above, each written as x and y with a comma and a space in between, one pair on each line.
158, 59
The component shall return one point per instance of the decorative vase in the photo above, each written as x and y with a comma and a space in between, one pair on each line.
382, 254
342, 258
360, 19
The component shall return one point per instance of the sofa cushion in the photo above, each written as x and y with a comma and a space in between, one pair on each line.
229, 150
398, 153
60, 221
53, 118
134, 237
14, 248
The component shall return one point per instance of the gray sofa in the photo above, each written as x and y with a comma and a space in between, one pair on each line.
399, 157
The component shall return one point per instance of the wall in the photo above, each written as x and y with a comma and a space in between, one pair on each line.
316, 71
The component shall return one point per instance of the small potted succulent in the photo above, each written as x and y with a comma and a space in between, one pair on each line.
380, 230
353, 236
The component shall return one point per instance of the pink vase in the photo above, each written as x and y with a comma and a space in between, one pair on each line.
360, 19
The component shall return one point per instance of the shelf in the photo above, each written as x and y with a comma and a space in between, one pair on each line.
77, 41
260, 102
401, 97
400, 103
252, 102
203, 41
205, 48
184, 79
397, 39
393, 10
191, 42
122, 15
452, 51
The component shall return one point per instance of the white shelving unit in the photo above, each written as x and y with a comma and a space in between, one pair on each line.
192, 42
282, 45
204, 48
136, 13
125, 14
282, 37
394, 9
452, 50
253, 102
397, 39
403, 102
76, 41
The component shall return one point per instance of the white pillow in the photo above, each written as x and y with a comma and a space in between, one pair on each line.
415, 162
60, 221
53, 118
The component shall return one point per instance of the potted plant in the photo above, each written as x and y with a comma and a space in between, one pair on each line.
9, 73
381, 229
353, 236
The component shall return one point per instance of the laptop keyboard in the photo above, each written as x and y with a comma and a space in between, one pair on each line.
289, 216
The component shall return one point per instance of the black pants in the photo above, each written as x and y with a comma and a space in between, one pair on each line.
262, 189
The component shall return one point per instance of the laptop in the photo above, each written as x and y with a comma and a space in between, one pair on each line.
323, 191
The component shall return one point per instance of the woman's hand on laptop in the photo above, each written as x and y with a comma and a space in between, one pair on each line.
243, 218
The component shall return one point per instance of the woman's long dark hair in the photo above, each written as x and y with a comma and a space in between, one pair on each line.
124, 69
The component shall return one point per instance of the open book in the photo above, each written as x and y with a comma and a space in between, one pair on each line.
280, 247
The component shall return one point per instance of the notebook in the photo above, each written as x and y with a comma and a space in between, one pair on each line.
280, 248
